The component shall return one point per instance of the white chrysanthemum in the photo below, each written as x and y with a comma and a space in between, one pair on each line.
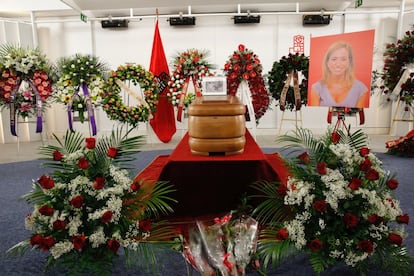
73, 158
322, 224
97, 238
297, 190
61, 248
352, 258
115, 205
296, 232
29, 223
73, 225
376, 232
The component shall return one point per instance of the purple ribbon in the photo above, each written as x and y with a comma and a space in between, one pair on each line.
91, 115
13, 110
70, 109
38, 107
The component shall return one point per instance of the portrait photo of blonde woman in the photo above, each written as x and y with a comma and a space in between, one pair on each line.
337, 83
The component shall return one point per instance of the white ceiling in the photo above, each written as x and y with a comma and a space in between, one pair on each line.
124, 8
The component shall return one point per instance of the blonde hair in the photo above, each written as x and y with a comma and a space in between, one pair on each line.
349, 72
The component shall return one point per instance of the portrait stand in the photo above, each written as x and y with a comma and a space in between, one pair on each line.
341, 113
297, 119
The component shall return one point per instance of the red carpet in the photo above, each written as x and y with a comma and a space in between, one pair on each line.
208, 185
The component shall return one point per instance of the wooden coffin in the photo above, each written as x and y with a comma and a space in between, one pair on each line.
216, 125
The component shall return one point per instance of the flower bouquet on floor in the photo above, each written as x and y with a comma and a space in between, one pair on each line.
223, 248
89, 207
338, 206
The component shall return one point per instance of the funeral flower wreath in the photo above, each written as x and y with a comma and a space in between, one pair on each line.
296, 63
397, 58
244, 65
338, 205
81, 79
25, 82
89, 208
190, 63
113, 103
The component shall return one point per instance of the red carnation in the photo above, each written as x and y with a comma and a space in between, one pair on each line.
395, 239
321, 168
106, 217
304, 158
90, 143
57, 155
282, 234
99, 182
335, 137
366, 246
315, 245
392, 183
355, 183
83, 163
372, 174
350, 220
78, 241
135, 186
46, 182
403, 219
59, 224
113, 245
375, 219
46, 243
365, 165
46, 210
364, 151
320, 206
35, 239
241, 47
77, 201
145, 225
112, 152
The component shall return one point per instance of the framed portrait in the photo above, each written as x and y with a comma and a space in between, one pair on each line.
214, 86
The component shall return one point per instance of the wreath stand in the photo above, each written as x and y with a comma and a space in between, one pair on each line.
297, 119
398, 108
28, 122
245, 96
293, 75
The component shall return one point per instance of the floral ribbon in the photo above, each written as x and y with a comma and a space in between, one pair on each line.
91, 115
13, 110
184, 93
38, 107
394, 143
293, 74
140, 100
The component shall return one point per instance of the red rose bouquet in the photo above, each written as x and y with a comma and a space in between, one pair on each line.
338, 205
89, 207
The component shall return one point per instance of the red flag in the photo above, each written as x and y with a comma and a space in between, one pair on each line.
163, 122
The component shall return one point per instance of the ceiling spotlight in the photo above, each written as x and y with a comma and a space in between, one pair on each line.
182, 20
245, 19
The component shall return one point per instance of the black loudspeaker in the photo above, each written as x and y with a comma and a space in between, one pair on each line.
114, 24
315, 19
243, 19
182, 21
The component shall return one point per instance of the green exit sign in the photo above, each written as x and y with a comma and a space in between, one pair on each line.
358, 3
83, 17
